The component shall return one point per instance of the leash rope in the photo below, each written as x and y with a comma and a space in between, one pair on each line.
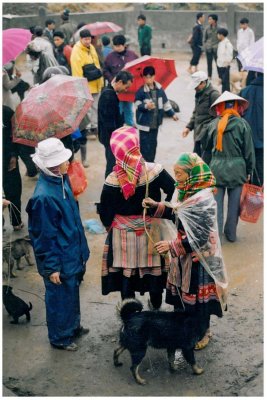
145, 210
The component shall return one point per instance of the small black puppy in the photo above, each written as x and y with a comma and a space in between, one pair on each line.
15, 251
158, 329
15, 306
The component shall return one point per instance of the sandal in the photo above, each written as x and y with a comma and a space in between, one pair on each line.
203, 342
209, 333
18, 227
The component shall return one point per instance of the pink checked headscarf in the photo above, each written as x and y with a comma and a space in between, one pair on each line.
124, 144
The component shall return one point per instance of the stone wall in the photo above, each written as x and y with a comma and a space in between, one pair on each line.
170, 28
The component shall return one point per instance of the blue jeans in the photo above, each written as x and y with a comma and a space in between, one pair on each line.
126, 108
148, 144
233, 211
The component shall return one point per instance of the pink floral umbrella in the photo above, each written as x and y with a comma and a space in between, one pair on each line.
14, 41
53, 109
99, 28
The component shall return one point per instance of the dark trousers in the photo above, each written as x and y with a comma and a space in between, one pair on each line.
224, 74
145, 51
258, 178
62, 310
196, 55
25, 154
148, 144
12, 188
111, 161
233, 211
211, 55
197, 148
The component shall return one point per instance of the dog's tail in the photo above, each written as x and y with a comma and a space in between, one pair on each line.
30, 306
128, 307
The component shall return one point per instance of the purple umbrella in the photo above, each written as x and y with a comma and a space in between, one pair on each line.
252, 57
14, 42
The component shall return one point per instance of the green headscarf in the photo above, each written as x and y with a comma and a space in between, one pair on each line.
200, 175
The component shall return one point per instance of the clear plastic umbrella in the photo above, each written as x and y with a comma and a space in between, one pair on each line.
252, 58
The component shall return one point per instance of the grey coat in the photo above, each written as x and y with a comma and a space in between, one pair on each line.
8, 84
201, 115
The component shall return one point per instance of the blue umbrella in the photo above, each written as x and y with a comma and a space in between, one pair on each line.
252, 57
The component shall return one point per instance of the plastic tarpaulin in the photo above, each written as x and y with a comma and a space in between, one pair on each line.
198, 214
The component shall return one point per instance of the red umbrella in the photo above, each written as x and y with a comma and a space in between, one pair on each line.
99, 28
14, 42
54, 108
165, 74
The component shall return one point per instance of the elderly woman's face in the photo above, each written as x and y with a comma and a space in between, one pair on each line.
63, 168
180, 175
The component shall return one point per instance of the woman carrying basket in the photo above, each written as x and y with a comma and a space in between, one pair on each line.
130, 264
229, 139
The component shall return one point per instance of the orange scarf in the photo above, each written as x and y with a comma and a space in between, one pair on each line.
222, 124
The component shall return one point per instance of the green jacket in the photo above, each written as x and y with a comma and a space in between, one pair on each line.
210, 38
236, 161
144, 36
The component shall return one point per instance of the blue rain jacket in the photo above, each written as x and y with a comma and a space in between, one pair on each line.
55, 228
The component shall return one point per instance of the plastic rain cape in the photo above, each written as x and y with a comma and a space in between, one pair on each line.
198, 214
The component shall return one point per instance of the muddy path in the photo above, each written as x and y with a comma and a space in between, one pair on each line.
233, 361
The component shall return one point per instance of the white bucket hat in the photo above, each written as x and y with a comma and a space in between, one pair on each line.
228, 96
197, 78
50, 153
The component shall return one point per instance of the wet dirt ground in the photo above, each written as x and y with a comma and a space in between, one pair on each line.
233, 361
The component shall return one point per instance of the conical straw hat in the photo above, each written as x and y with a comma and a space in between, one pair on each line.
228, 96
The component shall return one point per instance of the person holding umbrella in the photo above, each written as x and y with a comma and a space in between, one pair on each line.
114, 63
59, 243
151, 102
40, 60
254, 94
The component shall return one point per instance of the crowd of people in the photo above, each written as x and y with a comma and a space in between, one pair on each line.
138, 256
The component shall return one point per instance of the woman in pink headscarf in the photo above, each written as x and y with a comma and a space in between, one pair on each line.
129, 263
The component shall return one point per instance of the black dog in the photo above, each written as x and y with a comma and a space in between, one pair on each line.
15, 306
158, 329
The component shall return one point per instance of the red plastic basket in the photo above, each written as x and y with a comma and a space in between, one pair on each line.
251, 203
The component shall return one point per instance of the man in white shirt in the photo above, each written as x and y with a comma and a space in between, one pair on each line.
224, 58
245, 37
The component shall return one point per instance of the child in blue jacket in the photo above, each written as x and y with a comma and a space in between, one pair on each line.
59, 243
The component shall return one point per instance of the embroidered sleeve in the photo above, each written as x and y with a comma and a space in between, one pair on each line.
176, 248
